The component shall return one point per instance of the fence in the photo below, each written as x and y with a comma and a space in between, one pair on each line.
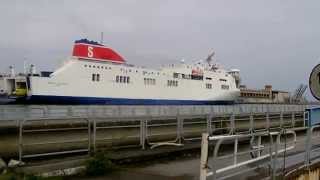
288, 122
39, 142
14, 112
143, 131
310, 148
271, 146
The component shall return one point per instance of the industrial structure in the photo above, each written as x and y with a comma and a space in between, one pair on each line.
266, 95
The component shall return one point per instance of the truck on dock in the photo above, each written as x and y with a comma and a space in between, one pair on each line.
12, 87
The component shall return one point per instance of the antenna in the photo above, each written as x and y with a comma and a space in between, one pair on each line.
210, 56
25, 65
101, 36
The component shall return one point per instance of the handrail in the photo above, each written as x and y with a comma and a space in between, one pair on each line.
204, 166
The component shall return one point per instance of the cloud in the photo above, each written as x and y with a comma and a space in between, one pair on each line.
274, 42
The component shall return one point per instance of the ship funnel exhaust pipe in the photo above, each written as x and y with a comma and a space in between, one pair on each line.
32, 69
12, 73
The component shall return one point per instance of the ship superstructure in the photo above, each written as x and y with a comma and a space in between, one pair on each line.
96, 74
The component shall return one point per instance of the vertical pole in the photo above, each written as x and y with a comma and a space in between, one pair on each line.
275, 159
235, 152
20, 139
209, 125
308, 147
232, 124
259, 146
142, 134
89, 136
179, 132
272, 162
285, 150
45, 113
251, 123
281, 119
304, 119
94, 135
267, 121
293, 119
146, 132
204, 157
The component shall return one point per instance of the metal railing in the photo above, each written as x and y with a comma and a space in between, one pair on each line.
14, 112
309, 144
27, 129
145, 130
210, 169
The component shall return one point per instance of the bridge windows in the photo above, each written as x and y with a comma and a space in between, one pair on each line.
172, 83
95, 77
208, 86
122, 79
187, 76
196, 77
149, 81
224, 87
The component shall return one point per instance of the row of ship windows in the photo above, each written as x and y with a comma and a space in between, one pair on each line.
175, 75
209, 86
194, 77
121, 69
98, 67
223, 87
122, 79
172, 83
151, 81
187, 76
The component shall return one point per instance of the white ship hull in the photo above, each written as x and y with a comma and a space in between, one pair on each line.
98, 75
73, 84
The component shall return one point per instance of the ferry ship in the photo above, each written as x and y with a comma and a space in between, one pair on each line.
96, 74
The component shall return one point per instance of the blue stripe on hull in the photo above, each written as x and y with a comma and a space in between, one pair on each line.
35, 99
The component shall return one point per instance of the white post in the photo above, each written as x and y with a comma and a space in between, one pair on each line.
204, 156
235, 152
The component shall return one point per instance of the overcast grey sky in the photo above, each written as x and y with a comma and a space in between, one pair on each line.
271, 41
